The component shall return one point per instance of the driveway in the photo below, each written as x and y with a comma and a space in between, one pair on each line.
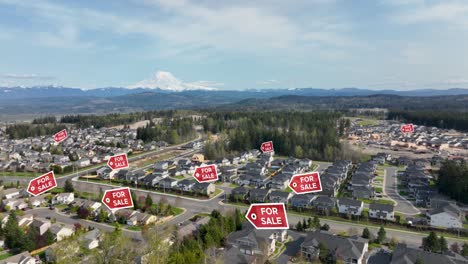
292, 248
390, 188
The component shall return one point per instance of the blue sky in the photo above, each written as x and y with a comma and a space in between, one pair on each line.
376, 44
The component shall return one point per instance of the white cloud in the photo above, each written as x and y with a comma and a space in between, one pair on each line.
12, 76
454, 12
255, 28
166, 81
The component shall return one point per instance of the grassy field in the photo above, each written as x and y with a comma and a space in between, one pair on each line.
177, 211
368, 122
5, 256
379, 201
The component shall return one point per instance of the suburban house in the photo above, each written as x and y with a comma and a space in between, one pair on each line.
258, 195
61, 231
280, 181
302, 200
162, 165
205, 188
11, 193
382, 211
350, 206
324, 204
280, 197
186, 184
141, 219
41, 225
91, 239
448, 215
403, 254
167, 183
347, 249
240, 193
63, 198
252, 241
190, 227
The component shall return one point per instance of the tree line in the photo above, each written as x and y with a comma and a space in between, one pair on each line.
440, 119
172, 131
19, 131
313, 135
453, 180
113, 119
18, 239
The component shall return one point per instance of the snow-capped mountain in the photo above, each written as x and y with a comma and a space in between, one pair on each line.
166, 81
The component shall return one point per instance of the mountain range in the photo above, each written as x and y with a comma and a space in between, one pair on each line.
59, 91
44, 100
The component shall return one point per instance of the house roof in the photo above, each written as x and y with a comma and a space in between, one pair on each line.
402, 254
349, 202
345, 247
381, 207
449, 208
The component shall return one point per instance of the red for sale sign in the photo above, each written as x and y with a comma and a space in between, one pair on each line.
408, 128
60, 136
268, 216
306, 183
206, 173
118, 198
267, 147
118, 162
42, 184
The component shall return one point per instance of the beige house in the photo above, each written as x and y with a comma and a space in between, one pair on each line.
198, 158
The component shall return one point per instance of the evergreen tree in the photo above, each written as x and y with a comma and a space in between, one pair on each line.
316, 222
14, 235
381, 235
148, 201
299, 226
135, 200
366, 233
464, 251
443, 244
431, 243
68, 186
418, 261
49, 237
304, 224
325, 227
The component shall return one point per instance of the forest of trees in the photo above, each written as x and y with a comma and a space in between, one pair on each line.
19, 240
172, 131
313, 135
25, 130
453, 180
449, 120
193, 249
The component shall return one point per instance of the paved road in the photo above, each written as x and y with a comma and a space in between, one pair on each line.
24, 180
46, 212
390, 188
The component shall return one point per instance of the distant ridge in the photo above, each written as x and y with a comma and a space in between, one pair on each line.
54, 91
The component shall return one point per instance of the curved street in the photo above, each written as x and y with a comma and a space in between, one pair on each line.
390, 189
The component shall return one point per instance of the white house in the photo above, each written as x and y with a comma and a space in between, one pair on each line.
349, 206
64, 198
448, 216
61, 231
381, 211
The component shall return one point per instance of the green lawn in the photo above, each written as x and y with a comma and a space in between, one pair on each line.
217, 191
368, 122
180, 177
379, 201
5, 256
288, 189
177, 211
378, 189
133, 228
233, 185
